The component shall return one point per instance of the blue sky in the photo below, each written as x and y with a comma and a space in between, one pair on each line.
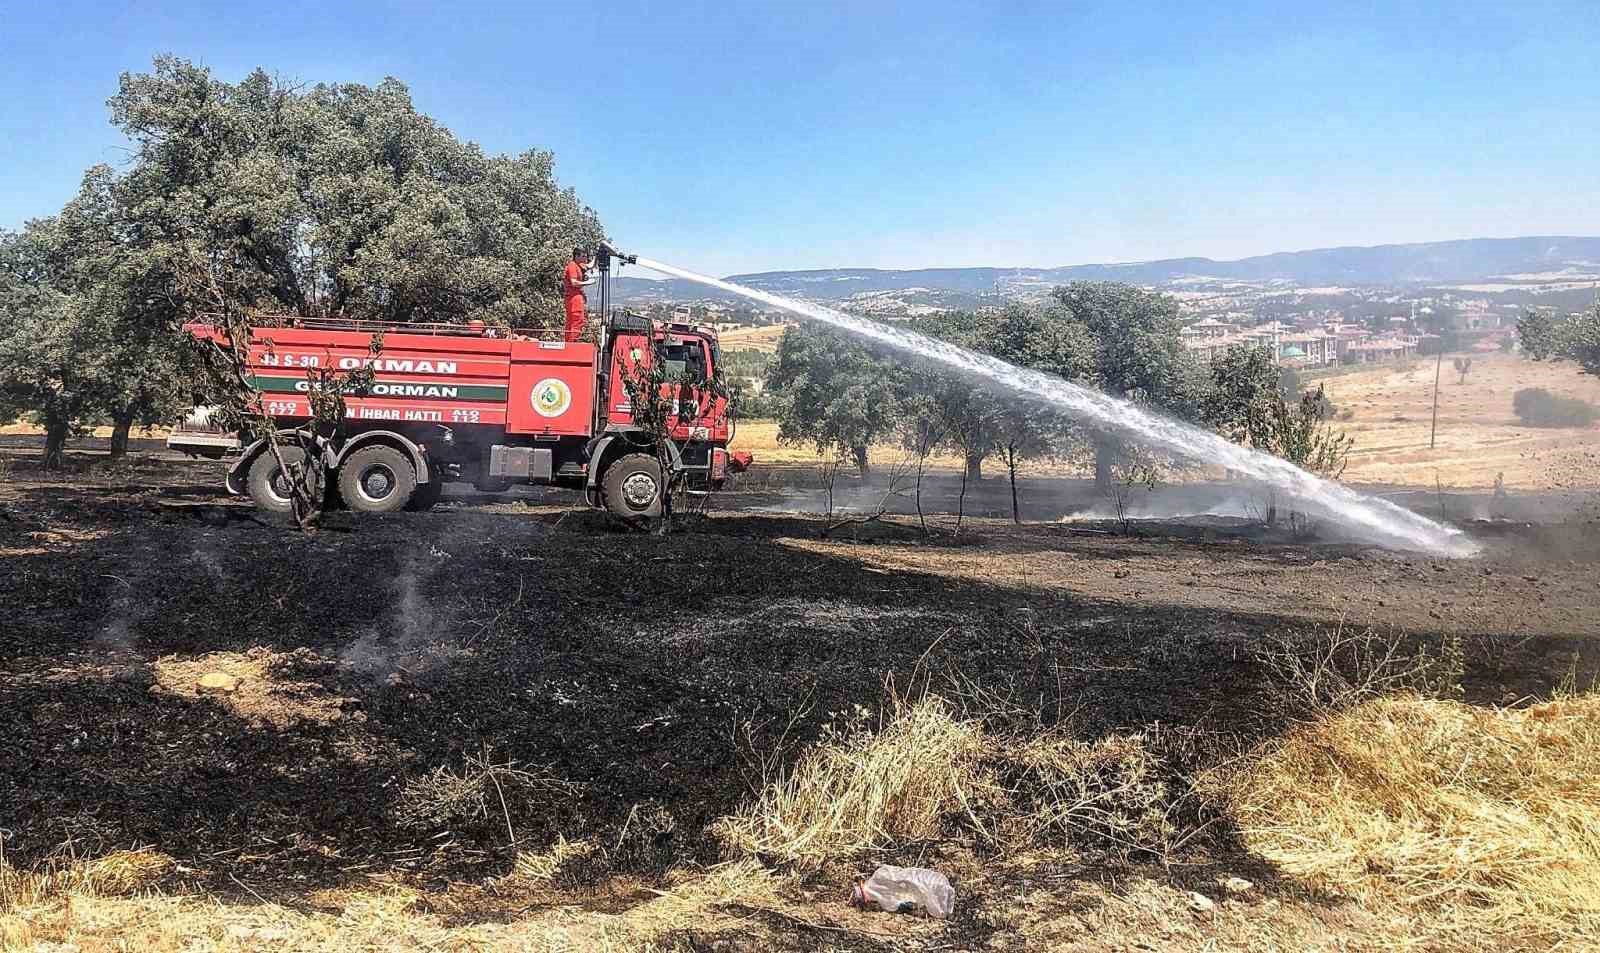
739, 137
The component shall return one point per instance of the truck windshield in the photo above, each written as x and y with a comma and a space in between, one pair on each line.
685, 360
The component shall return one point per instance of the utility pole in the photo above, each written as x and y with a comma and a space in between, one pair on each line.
1433, 435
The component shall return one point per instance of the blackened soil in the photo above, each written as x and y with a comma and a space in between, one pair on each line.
622, 682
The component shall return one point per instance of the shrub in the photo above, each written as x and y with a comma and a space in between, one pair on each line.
481, 797
1537, 407
927, 772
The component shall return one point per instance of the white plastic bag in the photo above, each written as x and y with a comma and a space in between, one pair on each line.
906, 890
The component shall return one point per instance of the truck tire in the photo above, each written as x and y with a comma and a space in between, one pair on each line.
632, 487
268, 485
377, 479
426, 495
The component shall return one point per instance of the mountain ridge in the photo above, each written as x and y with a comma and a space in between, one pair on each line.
1400, 265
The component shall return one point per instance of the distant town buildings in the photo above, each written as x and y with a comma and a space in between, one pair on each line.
1319, 345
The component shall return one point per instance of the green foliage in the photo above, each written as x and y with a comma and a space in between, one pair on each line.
1299, 433
1138, 353
1583, 340
1135, 471
1542, 335
744, 362
976, 420
965, 413
262, 196
1537, 407
835, 394
81, 337
1546, 337
746, 403
1245, 381
1251, 403
146, 365
841, 397
340, 199
49, 368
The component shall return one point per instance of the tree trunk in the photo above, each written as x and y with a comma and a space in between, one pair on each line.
859, 451
121, 425
974, 468
1104, 457
1011, 469
961, 500
55, 443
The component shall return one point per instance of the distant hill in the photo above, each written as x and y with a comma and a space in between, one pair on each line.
1428, 263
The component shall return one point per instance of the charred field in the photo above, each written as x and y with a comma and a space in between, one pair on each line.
426, 701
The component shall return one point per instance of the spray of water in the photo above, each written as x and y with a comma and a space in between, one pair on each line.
1364, 517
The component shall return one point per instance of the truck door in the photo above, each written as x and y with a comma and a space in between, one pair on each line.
699, 412
688, 361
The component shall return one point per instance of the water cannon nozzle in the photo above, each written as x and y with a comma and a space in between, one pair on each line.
604, 252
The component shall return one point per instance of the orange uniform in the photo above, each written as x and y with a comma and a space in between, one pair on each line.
572, 292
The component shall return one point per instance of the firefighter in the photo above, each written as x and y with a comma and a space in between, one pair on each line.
576, 277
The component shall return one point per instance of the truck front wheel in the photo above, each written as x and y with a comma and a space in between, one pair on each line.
377, 479
632, 487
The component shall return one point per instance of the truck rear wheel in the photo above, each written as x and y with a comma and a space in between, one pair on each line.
632, 487
269, 486
377, 479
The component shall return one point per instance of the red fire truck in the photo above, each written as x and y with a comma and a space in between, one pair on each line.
488, 406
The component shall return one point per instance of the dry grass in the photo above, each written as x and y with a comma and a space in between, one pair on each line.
929, 774
102, 906
1488, 819
859, 790
1479, 437
1335, 668
23, 427
764, 339
1113, 792
480, 795
545, 866
117, 874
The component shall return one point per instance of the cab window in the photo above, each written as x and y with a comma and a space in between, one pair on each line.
686, 359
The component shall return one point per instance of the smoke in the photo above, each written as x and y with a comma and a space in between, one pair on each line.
405, 646
126, 596
1364, 517
205, 553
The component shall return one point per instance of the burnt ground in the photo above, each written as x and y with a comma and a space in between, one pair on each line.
639, 674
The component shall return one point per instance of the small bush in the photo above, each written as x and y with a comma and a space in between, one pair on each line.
1537, 407
1342, 667
859, 789
927, 773
482, 797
